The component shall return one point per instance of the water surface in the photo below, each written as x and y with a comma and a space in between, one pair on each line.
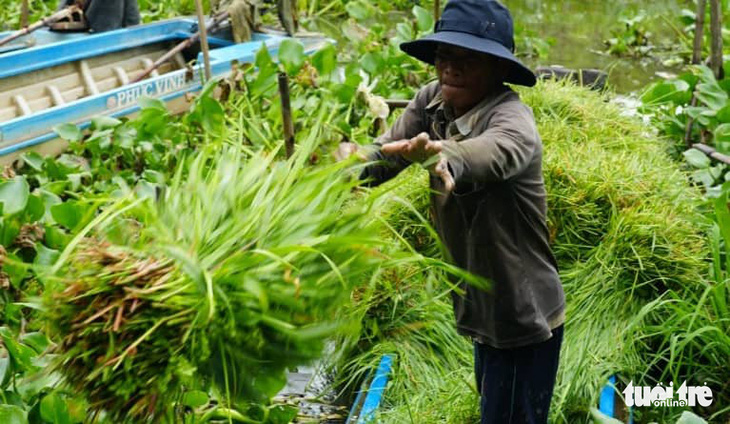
578, 29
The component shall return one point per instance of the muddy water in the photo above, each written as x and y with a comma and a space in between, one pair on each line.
577, 30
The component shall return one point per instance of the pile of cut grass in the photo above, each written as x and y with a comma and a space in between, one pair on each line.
625, 229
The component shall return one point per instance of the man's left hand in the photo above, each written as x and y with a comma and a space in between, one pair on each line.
418, 149
422, 149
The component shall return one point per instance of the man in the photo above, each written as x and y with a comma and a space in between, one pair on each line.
107, 15
481, 145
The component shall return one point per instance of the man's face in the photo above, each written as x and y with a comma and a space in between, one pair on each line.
466, 76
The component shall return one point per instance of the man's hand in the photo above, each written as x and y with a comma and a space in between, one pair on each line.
421, 149
418, 149
441, 169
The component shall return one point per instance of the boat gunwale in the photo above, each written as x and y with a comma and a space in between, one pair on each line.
18, 62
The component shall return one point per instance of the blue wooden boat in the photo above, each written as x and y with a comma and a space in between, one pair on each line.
63, 78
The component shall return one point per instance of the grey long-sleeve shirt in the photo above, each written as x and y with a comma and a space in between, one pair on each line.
494, 222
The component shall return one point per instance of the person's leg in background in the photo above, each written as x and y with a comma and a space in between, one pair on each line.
131, 13
105, 15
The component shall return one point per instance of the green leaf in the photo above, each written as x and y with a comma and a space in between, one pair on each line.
70, 164
34, 160
359, 10
56, 238
291, 55
213, 115
424, 18
722, 138
14, 195
68, 132
153, 176
404, 32
722, 213
372, 63
104, 122
675, 91
146, 102
49, 199
71, 214
697, 159
263, 59
36, 340
705, 74
689, 417
282, 414
151, 121
712, 95
195, 399
16, 269
54, 409
35, 208
9, 229
352, 76
45, 257
209, 88
11, 414
145, 190
4, 366
325, 60
600, 418
21, 356
691, 78
354, 31
269, 383
703, 176
723, 115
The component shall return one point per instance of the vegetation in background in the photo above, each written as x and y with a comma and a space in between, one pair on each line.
673, 111
632, 40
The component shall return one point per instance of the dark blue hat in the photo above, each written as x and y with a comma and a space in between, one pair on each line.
481, 25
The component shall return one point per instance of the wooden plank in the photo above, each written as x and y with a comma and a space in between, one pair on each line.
121, 75
147, 62
89, 82
42, 103
22, 105
56, 95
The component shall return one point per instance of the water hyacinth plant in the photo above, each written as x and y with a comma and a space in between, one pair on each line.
236, 272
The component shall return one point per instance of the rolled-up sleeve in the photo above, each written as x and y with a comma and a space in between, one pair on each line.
504, 150
408, 125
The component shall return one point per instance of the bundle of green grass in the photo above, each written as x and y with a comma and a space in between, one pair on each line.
235, 273
625, 228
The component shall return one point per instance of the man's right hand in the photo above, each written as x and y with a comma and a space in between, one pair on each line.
423, 150
418, 149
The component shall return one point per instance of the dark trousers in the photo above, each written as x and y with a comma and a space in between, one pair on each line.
516, 385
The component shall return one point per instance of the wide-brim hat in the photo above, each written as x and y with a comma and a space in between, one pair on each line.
484, 26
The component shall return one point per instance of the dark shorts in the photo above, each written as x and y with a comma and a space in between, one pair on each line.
516, 385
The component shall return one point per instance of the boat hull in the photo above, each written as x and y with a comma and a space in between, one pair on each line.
32, 128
